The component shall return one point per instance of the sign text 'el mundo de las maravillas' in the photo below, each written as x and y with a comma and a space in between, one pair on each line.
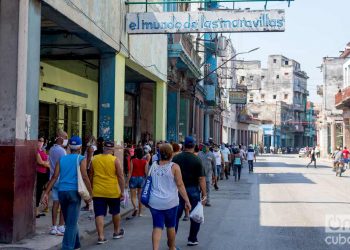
206, 21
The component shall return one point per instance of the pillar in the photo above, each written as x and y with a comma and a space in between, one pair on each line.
111, 97
346, 132
333, 136
19, 107
172, 116
206, 127
160, 110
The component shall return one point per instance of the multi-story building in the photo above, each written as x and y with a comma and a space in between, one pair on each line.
342, 98
71, 65
330, 121
277, 97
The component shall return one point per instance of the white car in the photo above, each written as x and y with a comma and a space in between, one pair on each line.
302, 152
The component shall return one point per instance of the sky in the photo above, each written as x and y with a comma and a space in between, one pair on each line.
314, 29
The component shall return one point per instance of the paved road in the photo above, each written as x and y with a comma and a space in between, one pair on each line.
282, 205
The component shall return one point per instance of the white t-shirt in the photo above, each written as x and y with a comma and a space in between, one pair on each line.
225, 153
217, 157
250, 155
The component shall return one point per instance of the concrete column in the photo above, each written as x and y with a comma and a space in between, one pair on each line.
60, 115
19, 107
160, 111
206, 127
346, 132
333, 136
111, 97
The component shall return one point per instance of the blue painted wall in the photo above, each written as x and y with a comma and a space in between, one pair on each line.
172, 122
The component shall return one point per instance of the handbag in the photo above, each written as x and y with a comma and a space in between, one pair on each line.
146, 189
82, 190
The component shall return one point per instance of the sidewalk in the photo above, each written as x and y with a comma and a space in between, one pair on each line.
43, 241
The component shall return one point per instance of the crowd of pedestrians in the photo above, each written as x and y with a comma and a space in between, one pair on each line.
183, 176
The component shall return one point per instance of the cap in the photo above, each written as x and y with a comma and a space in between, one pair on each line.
75, 142
108, 144
189, 141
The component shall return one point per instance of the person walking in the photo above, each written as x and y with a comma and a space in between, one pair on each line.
167, 185
318, 152
69, 198
312, 157
137, 173
107, 180
209, 164
57, 151
193, 176
42, 170
251, 157
237, 163
225, 153
219, 159
346, 154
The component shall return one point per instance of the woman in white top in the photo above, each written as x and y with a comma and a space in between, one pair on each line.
164, 199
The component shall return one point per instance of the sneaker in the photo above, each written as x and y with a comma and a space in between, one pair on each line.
192, 243
207, 204
101, 241
60, 230
53, 230
120, 234
186, 218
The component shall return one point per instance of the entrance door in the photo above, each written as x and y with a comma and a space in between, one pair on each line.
87, 124
47, 120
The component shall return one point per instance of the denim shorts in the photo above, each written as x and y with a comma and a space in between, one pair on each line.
54, 193
136, 182
164, 217
101, 204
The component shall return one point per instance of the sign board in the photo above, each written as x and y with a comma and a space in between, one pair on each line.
237, 97
206, 21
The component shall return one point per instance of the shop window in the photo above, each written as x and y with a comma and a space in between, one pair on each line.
48, 120
286, 62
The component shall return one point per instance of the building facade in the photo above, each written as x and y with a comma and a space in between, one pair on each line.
330, 121
277, 96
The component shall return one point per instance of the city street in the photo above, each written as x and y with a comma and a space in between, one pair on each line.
283, 205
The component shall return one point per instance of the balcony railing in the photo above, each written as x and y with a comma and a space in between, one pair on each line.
342, 99
186, 41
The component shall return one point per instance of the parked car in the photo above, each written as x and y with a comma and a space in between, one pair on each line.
303, 152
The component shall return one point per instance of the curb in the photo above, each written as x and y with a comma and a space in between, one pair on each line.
85, 236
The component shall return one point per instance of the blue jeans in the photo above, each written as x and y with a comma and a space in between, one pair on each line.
70, 205
194, 197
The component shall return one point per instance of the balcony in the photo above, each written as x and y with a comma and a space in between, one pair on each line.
342, 99
181, 48
244, 118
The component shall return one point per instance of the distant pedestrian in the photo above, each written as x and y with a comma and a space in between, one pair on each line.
219, 161
137, 173
42, 170
226, 154
237, 163
69, 198
251, 157
57, 151
312, 157
209, 164
107, 180
318, 152
193, 176
167, 185
147, 153
346, 154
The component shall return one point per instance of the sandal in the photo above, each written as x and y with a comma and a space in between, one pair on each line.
134, 213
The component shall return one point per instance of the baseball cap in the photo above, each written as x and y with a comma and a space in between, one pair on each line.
75, 142
108, 144
189, 141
